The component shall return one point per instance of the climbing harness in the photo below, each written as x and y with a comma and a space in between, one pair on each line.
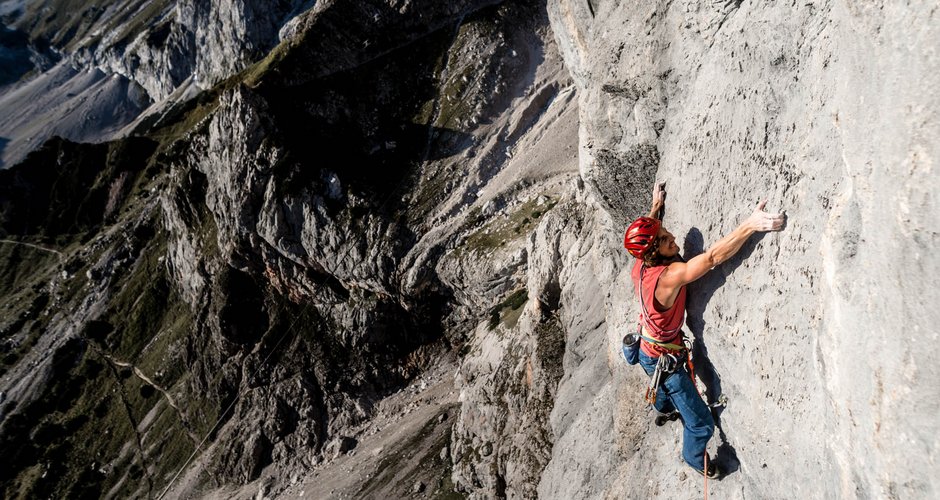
668, 361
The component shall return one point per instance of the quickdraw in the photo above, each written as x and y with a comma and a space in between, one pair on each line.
665, 366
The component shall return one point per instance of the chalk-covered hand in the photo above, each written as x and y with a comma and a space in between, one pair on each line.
761, 221
659, 195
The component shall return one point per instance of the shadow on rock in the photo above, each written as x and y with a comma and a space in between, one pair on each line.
727, 456
15, 55
700, 293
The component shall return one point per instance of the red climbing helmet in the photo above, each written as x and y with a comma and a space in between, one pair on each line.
641, 235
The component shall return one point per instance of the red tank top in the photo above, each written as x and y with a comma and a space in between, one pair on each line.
667, 325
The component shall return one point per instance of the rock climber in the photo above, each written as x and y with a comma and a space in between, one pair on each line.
660, 276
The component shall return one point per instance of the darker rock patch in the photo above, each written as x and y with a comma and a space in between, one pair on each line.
626, 90
619, 176
241, 316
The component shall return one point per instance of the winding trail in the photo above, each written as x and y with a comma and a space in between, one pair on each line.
150, 381
37, 247
135, 424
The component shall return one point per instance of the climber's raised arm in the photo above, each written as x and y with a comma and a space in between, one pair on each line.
682, 273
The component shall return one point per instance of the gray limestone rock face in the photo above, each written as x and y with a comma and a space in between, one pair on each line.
816, 336
235, 239
238, 31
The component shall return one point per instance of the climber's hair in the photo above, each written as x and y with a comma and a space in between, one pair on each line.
652, 258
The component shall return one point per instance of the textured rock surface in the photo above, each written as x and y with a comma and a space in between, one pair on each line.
158, 44
328, 236
811, 332
82, 106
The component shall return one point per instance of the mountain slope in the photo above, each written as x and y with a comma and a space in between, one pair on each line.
263, 272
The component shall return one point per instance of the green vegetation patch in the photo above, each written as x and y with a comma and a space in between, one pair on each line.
65, 191
253, 75
24, 309
464, 68
51, 436
18, 338
80, 437
72, 24
522, 221
453, 103
509, 310
182, 118
145, 304
135, 21
23, 269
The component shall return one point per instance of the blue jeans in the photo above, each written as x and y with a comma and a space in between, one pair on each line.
678, 392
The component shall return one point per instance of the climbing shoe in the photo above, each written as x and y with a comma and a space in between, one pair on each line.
663, 418
713, 471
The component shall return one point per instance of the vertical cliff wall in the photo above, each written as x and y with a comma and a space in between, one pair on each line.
819, 337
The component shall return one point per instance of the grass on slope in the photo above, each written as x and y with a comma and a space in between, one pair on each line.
504, 229
97, 426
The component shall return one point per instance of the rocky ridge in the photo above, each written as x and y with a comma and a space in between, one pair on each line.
275, 296
92, 73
